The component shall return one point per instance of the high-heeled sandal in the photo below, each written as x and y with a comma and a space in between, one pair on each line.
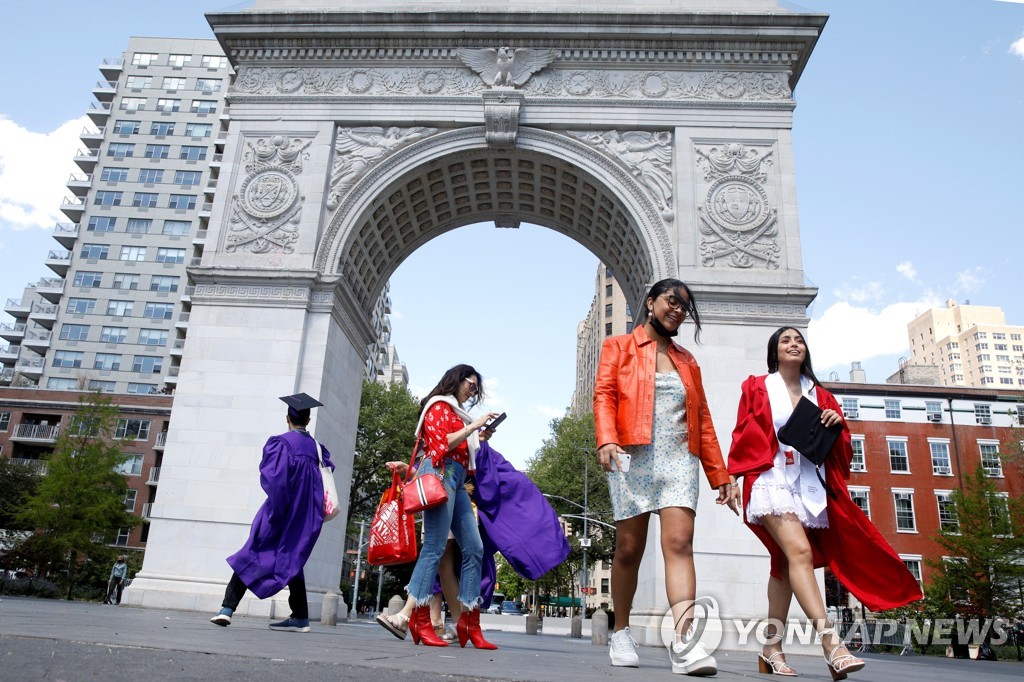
839, 664
776, 663
450, 634
399, 629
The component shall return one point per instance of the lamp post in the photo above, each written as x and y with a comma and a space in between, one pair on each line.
359, 560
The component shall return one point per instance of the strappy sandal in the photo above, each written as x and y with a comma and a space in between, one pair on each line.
776, 663
399, 630
839, 664
450, 633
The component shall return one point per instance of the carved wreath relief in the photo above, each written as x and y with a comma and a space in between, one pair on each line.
358, 149
737, 222
647, 156
266, 210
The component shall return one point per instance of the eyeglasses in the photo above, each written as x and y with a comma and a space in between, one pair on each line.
472, 386
676, 303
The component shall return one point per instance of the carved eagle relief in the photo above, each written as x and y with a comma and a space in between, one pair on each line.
506, 66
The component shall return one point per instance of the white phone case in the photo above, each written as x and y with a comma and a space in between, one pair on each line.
624, 459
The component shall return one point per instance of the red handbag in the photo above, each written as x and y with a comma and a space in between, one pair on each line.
393, 530
424, 491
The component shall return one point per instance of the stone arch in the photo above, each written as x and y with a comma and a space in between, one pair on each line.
453, 178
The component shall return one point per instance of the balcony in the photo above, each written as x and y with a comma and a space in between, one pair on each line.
154, 476
161, 441
73, 207
40, 465
177, 348
200, 237
104, 91
79, 183
205, 209
17, 308
37, 341
6, 376
195, 262
186, 295
59, 261
111, 67
98, 113
216, 160
172, 375
36, 433
86, 159
9, 354
12, 332
44, 315
66, 234
92, 138
211, 186
31, 368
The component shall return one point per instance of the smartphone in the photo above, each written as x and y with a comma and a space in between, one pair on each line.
624, 459
493, 424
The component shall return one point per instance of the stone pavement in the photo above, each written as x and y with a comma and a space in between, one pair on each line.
56, 641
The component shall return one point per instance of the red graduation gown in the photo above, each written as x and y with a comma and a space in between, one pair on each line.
851, 546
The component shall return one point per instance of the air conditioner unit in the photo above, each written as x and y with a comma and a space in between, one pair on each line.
934, 416
985, 420
853, 414
941, 471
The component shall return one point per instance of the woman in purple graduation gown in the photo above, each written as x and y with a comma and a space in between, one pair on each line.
287, 525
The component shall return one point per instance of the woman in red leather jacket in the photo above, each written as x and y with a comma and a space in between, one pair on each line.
650, 410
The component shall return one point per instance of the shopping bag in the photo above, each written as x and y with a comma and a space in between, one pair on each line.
393, 530
331, 505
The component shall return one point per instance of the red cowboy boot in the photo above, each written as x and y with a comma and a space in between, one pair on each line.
421, 628
468, 628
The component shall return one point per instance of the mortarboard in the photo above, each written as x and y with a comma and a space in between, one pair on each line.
805, 433
300, 402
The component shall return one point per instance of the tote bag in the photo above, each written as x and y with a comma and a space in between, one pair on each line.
393, 531
331, 505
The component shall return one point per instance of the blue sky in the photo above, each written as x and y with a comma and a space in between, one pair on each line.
907, 138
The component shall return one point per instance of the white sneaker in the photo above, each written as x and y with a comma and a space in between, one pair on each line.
622, 650
695, 662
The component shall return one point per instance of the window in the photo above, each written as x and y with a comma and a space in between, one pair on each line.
107, 198
949, 522
167, 105
998, 336
982, 413
95, 251
857, 463
122, 537
68, 358
133, 103
157, 151
198, 129
182, 202
608, 329
177, 228
74, 332
211, 62
126, 281
904, 502
940, 457
980, 335
126, 127
62, 383
129, 500
192, 153
153, 337
999, 512
120, 308
179, 60
133, 253
137, 82
159, 311
101, 224
138, 225
147, 363
86, 279
112, 174
892, 409
851, 408
143, 58
114, 334
862, 497
134, 429
102, 386
913, 564
163, 283
990, 461
604, 585
131, 466
81, 306
5, 421
145, 199
608, 310
1015, 337
151, 176
933, 410
204, 106
120, 150
208, 84
164, 255
898, 459
173, 83
981, 346
161, 128
141, 389
187, 177
107, 361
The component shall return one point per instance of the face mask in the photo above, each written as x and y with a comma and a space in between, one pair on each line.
660, 328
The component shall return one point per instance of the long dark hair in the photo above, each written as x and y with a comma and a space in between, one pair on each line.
773, 355
674, 285
449, 385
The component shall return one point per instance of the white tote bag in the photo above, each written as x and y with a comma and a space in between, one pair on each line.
331, 506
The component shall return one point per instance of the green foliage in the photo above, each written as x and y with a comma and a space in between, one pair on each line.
982, 579
18, 482
387, 421
81, 498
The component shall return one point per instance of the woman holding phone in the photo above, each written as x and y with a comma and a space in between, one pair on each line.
653, 430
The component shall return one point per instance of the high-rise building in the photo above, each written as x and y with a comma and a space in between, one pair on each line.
609, 315
970, 344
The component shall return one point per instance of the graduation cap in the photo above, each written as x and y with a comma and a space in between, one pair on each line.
300, 402
805, 433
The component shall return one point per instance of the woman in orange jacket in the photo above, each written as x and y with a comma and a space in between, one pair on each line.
653, 426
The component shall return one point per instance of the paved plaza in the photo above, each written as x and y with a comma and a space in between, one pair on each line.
70, 641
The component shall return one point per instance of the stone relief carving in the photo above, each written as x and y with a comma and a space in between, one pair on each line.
648, 156
266, 210
506, 66
501, 115
738, 86
737, 221
356, 149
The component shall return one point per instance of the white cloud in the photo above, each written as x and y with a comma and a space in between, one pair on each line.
549, 411
846, 333
1017, 47
969, 281
34, 169
859, 291
906, 268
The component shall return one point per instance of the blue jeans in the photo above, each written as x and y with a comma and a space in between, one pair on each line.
456, 514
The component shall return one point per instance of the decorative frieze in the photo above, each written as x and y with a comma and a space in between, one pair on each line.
736, 86
647, 156
358, 149
506, 66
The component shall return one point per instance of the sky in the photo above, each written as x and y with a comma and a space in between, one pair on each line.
907, 143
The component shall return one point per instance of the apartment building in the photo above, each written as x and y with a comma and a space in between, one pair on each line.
970, 344
609, 315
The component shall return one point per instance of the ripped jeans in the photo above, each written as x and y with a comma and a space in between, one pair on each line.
456, 514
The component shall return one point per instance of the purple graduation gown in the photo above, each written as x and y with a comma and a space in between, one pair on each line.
288, 524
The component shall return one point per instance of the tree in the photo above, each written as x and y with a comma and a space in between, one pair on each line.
18, 482
79, 504
981, 578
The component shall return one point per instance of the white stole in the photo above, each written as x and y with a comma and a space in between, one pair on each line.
812, 493
473, 441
